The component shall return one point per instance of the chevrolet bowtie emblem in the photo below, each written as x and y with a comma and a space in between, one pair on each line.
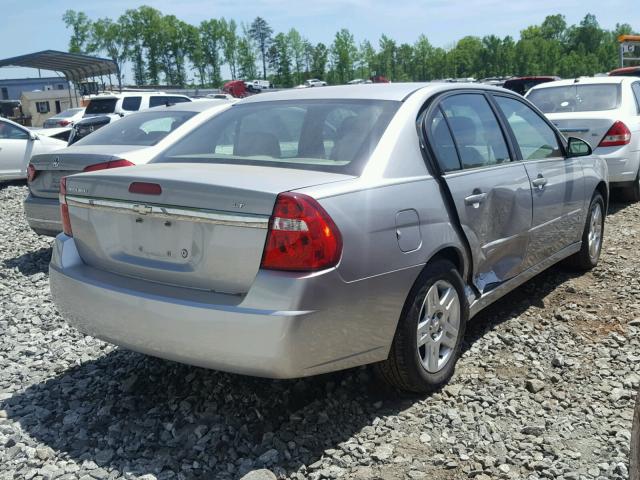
142, 209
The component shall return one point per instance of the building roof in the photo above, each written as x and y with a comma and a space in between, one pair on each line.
73, 66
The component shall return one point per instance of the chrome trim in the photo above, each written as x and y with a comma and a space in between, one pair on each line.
577, 130
175, 213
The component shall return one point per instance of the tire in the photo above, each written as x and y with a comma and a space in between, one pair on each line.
634, 453
632, 193
438, 308
592, 237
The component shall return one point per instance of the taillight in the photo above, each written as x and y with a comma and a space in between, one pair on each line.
618, 134
64, 208
110, 164
63, 123
31, 173
302, 236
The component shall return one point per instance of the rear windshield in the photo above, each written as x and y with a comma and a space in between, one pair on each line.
576, 98
146, 128
68, 113
325, 135
101, 105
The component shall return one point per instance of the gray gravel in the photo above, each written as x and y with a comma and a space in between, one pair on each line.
544, 390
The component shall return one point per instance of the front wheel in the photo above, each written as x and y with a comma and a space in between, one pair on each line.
589, 254
426, 345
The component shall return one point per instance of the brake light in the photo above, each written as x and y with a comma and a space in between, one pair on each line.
618, 134
301, 237
110, 164
145, 188
64, 208
63, 123
31, 173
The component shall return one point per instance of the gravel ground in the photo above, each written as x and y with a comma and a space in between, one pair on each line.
544, 390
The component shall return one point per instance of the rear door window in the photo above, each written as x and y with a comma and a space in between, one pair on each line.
442, 143
101, 106
131, 104
11, 132
476, 131
534, 136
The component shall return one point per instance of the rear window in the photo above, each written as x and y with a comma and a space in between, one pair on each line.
131, 104
576, 98
326, 135
101, 105
166, 100
140, 129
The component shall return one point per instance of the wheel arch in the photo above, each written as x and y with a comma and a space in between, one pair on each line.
602, 188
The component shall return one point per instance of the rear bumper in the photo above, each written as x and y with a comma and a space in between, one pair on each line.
622, 162
287, 326
43, 215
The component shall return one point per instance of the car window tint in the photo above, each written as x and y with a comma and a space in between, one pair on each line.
101, 105
636, 93
476, 131
442, 143
131, 104
331, 135
178, 100
535, 137
576, 98
11, 132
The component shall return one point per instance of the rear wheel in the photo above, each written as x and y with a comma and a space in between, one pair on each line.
426, 345
589, 254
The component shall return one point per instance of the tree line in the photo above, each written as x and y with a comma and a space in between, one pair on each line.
164, 49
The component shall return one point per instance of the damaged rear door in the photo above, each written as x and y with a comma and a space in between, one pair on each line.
491, 193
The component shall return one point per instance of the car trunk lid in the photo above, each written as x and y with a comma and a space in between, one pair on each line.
206, 229
588, 126
51, 167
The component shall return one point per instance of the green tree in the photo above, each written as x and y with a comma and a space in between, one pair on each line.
81, 27
261, 33
212, 35
319, 58
423, 53
343, 55
297, 48
279, 59
109, 37
246, 56
230, 45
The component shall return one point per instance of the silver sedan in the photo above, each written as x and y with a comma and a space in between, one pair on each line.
313, 230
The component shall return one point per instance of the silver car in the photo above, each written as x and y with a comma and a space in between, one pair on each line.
313, 230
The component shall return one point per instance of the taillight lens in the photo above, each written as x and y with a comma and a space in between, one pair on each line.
31, 173
63, 123
618, 134
145, 188
110, 164
64, 208
302, 236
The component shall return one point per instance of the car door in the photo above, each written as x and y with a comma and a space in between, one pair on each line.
491, 193
14, 143
557, 183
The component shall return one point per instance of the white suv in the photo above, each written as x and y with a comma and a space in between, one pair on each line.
604, 112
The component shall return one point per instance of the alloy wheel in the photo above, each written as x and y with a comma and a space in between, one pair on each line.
438, 326
595, 231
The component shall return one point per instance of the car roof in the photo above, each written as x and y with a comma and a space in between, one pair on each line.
368, 91
585, 81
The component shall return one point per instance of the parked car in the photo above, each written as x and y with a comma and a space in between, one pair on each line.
64, 119
105, 109
314, 230
60, 133
625, 72
522, 85
258, 85
134, 140
17, 145
314, 82
605, 112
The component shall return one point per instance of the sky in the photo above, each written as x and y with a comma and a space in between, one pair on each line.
28, 26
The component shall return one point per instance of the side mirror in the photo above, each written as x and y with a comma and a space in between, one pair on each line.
578, 148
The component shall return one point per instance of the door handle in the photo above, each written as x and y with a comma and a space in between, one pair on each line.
539, 182
475, 200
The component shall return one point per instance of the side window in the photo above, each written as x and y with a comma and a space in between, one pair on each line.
535, 137
10, 132
157, 101
442, 143
131, 104
177, 99
476, 131
636, 93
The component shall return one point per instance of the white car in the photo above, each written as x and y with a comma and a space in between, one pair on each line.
17, 145
134, 140
116, 105
314, 82
603, 111
64, 119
